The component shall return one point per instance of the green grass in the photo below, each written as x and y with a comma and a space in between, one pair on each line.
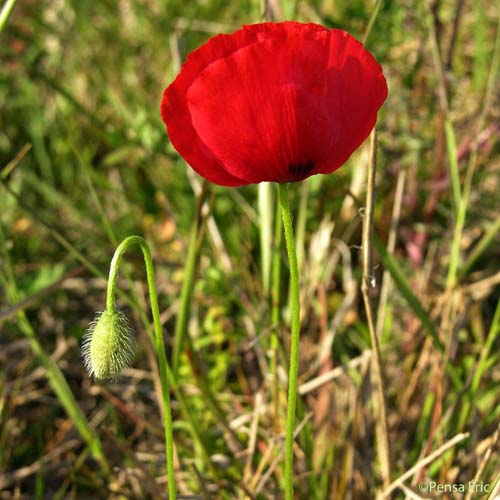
85, 162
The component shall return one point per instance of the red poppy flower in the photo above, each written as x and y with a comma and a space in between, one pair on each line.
273, 102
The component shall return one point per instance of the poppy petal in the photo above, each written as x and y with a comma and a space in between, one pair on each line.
273, 102
356, 89
174, 109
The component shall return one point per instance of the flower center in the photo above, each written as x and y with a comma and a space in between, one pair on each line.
300, 169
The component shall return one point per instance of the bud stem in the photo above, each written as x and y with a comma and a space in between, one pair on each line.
159, 342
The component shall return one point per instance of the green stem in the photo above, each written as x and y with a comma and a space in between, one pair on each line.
295, 337
159, 342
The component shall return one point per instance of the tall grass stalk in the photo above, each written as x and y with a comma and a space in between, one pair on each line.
181, 323
383, 450
265, 204
371, 21
275, 313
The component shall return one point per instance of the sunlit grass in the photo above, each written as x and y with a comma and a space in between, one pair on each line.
85, 162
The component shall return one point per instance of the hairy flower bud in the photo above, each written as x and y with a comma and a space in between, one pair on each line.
108, 344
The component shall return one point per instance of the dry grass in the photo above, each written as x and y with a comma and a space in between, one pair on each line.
79, 93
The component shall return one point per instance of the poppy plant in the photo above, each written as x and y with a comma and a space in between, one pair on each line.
273, 102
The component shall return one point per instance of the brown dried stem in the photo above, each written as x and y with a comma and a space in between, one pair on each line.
366, 285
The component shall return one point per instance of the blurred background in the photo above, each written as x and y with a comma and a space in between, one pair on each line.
85, 162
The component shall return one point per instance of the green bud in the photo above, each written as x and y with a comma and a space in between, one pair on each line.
108, 345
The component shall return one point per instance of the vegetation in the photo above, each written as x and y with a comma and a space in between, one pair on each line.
85, 162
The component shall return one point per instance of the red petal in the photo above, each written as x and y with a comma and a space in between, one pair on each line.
273, 102
356, 89
174, 109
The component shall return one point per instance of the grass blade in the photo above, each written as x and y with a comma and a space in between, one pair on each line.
5, 12
404, 288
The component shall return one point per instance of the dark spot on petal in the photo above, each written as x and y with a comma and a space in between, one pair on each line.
300, 170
